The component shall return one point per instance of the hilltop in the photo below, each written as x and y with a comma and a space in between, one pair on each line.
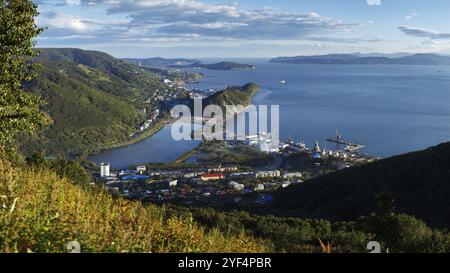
94, 100
417, 59
233, 96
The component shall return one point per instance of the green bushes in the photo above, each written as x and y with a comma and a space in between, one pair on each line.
396, 232
42, 212
404, 233
218, 152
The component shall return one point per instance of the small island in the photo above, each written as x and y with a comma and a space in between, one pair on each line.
187, 63
161, 62
224, 66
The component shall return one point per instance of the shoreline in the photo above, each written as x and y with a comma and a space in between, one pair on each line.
158, 127
135, 139
182, 158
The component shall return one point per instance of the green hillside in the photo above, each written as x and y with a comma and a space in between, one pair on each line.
94, 100
233, 96
419, 182
44, 211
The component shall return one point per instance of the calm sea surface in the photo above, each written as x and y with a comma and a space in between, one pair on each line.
391, 109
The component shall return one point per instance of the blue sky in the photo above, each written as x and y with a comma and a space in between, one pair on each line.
246, 28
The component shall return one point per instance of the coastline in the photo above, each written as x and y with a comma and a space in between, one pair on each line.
187, 155
182, 158
158, 126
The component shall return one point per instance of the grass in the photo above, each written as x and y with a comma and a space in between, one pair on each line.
218, 152
42, 212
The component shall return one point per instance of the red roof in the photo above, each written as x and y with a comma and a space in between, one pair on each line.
212, 175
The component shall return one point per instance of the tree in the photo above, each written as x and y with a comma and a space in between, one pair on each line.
385, 204
19, 110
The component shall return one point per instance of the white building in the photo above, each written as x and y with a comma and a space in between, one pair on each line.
259, 187
242, 174
263, 142
173, 183
316, 148
236, 186
292, 175
141, 169
105, 170
265, 174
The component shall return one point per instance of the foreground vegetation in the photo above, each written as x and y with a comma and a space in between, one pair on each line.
45, 205
397, 233
42, 211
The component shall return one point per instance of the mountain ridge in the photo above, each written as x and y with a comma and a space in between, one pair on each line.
416, 59
94, 99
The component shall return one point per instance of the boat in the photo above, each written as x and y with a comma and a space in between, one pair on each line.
283, 82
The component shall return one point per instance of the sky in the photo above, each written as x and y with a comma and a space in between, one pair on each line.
245, 28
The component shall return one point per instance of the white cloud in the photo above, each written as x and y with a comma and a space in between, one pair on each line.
176, 25
172, 19
73, 2
411, 16
374, 2
432, 44
422, 32
63, 21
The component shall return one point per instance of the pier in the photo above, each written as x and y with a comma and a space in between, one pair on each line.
350, 146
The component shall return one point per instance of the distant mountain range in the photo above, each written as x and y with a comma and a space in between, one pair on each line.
183, 63
417, 59
161, 62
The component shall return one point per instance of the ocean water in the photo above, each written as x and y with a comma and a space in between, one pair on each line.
391, 109
158, 148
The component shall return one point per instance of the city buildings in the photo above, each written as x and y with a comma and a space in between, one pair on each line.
266, 174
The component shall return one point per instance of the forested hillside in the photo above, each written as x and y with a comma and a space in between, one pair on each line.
419, 182
94, 100
233, 96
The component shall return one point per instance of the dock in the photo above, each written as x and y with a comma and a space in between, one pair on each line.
350, 146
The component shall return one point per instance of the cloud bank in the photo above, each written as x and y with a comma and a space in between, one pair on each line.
194, 20
424, 33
